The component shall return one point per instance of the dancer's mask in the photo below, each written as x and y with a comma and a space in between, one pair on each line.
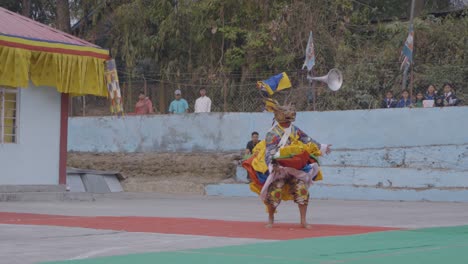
283, 113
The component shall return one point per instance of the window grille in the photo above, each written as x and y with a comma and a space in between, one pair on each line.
8, 115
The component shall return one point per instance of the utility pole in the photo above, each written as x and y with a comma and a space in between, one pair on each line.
405, 72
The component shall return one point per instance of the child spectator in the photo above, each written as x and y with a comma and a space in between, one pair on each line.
418, 103
449, 98
431, 93
430, 97
405, 100
389, 101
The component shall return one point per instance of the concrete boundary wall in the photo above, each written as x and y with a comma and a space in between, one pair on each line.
361, 129
389, 154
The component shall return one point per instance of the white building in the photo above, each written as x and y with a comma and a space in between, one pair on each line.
39, 67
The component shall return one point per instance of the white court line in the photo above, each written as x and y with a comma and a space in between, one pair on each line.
93, 253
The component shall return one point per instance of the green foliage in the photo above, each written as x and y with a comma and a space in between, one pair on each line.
211, 42
43, 11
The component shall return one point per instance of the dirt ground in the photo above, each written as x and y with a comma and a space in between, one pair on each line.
162, 172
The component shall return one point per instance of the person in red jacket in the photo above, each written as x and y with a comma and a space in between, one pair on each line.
144, 105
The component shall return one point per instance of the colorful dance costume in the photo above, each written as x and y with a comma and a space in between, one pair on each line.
296, 155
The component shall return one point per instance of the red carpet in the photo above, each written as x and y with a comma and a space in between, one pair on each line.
188, 226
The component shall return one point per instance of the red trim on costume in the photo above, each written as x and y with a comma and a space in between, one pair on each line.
247, 164
54, 50
297, 162
63, 139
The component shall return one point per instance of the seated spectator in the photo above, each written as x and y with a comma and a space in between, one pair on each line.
418, 103
449, 98
179, 105
405, 100
252, 143
389, 101
249, 149
144, 105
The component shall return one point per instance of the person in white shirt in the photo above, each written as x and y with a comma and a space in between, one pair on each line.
203, 103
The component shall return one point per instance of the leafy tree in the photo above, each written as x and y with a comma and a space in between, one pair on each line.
228, 45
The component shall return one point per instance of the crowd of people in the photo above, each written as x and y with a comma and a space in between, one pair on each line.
179, 105
431, 98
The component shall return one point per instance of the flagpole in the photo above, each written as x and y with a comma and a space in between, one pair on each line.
412, 61
312, 89
411, 82
405, 72
405, 76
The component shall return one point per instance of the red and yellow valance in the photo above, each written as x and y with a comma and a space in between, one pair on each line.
72, 69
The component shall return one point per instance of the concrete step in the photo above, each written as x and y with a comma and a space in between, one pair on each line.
387, 177
31, 188
394, 177
349, 192
45, 196
453, 157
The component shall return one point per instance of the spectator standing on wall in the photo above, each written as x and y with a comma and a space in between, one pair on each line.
389, 101
144, 105
179, 105
405, 100
203, 103
449, 98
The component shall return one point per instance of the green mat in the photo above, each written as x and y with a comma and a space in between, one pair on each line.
434, 245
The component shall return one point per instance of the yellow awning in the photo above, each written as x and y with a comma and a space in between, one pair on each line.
72, 69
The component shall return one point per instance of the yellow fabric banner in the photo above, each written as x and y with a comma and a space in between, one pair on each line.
74, 74
14, 67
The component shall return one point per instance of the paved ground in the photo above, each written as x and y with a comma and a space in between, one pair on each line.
367, 213
160, 224
428, 246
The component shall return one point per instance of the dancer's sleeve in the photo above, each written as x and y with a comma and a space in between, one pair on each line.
306, 139
272, 142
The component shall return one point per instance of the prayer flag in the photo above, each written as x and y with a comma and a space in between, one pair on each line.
309, 54
113, 87
407, 52
274, 84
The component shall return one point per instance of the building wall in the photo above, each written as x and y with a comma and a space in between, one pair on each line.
35, 159
389, 154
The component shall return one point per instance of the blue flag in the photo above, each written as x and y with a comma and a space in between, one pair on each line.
309, 54
275, 83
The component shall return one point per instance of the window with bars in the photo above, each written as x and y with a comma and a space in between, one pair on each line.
8, 115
